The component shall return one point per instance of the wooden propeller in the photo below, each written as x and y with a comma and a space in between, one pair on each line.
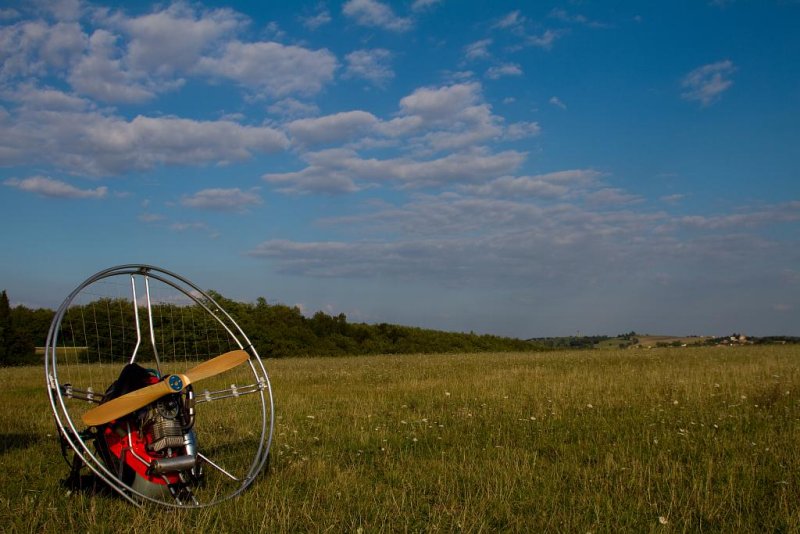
125, 404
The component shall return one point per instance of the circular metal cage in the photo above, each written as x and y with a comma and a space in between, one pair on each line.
159, 321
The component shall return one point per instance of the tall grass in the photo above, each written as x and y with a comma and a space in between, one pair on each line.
667, 440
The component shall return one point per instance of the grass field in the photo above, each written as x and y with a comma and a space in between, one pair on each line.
663, 440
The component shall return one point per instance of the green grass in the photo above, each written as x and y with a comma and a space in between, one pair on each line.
601, 441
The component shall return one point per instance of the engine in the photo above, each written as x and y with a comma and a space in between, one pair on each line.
162, 426
154, 449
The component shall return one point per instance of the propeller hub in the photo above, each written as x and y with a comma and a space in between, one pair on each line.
175, 383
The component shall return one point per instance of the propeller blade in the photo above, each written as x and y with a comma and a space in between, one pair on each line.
134, 400
217, 365
125, 404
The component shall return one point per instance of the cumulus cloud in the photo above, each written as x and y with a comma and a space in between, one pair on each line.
376, 14
779, 213
545, 40
555, 101
513, 20
440, 102
521, 130
371, 65
48, 187
423, 5
131, 59
478, 50
64, 43
61, 9
272, 68
101, 75
21, 46
564, 16
705, 84
340, 170
338, 127
291, 108
447, 129
148, 217
174, 39
31, 97
612, 196
8, 13
218, 199
499, 71
321, 18
98, 144
187, 226
549, 185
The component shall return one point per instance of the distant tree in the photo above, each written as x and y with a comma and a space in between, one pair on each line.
17, 344
5, 327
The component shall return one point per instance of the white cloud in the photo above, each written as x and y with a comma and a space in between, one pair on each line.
376, 14
564, 16
555, 101
440, 103
460, 240
533, 240
612, 196
512, 20
62, 10
478, 50
20, 44
778, 213
549, 185
371, 65
148, 217
672, 199
186, 226
452, 121
322, 17
100, 73
341, 170
48, 187
272, 68
292, 108
705, 84
93, 143
63, 45
8, 13
423, 5
515, 187
217, 199
545, 40
338, 127
173, 39
32, 97
521, 130
508, 69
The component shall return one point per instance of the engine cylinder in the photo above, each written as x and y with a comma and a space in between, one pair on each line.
166, 433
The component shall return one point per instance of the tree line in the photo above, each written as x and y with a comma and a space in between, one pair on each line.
276, 331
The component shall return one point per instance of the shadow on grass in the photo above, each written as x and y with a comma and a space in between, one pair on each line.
14, 441
89, 484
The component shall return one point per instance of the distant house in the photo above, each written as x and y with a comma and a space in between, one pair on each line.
738, 339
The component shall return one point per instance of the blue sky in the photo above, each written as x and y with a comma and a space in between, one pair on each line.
524, 169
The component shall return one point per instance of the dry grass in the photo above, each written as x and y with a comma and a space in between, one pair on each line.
666, 440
